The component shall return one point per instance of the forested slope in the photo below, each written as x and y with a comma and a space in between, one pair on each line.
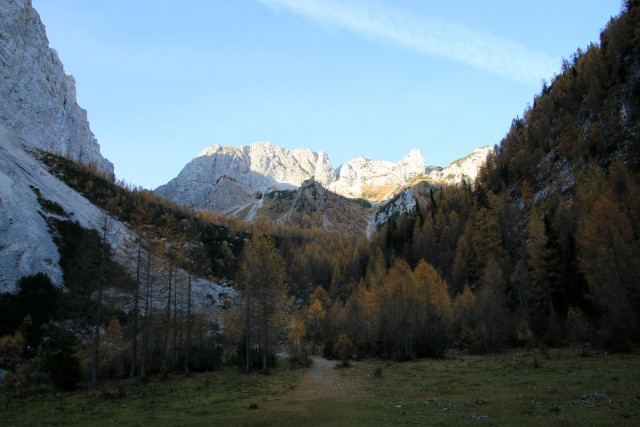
546, 241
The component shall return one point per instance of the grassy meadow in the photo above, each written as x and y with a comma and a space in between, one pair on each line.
462, 389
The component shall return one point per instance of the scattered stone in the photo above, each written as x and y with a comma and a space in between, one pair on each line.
588, 397
378, 372
479, 417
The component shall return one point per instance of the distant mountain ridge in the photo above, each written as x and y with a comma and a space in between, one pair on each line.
230, 180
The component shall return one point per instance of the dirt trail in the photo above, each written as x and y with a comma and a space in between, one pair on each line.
323, 380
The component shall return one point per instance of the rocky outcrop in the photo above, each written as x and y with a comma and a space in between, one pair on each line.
403, 203
466, 168
378, 180
26, 243
314, 205
37, 98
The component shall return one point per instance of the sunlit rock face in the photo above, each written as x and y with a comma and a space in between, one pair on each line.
225, 178
232, 180
38, 99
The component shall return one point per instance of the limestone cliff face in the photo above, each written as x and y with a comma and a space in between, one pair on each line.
37, 98
378, 180
466, 168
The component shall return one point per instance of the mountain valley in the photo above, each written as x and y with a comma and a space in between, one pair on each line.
256, 256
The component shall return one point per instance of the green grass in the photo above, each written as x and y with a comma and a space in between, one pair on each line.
461, 390
225, 395
488, 390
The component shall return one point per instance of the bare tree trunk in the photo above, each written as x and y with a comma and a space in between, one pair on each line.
165, 342
552, 311
136, 314
187, 345
148, 310
265, 330
174, 355
96, 338
95, 356
182, 333
248, 334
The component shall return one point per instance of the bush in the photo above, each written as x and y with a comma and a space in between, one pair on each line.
208, 357
343, 349
37, 299
327, 353
58, 352
378, 372
300, 359
26, 380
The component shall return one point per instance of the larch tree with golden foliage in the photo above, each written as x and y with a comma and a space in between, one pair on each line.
434, 314
608, 245
399, 303
315, 314
262, 279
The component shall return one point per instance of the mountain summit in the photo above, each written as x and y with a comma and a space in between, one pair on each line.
229, 180
224, 179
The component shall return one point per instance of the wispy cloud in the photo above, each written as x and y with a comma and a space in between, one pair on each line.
430, 36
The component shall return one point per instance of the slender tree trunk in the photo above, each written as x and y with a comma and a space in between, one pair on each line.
248, 333
147, 321
187, 345
96, 338
265, 331
174, 356
136, 314
552, 311
101, 283
167, 321
181, 333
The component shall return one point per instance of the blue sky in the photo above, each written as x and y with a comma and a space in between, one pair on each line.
163, 79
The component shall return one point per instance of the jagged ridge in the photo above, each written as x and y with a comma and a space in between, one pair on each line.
233, 180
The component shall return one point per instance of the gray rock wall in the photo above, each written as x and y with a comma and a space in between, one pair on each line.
37, 98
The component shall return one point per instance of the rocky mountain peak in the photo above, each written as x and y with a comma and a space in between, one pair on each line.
233, 180
249, 169
415, 156
412, 163
378, 180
